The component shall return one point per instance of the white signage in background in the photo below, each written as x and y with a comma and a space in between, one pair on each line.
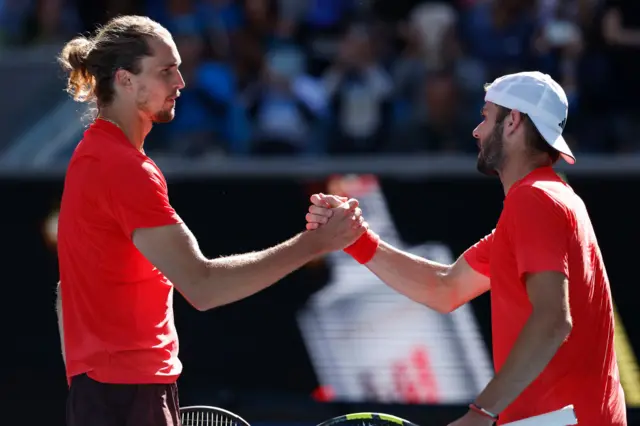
369, 343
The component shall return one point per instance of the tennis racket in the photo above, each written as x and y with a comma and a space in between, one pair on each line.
203, 415
367, 419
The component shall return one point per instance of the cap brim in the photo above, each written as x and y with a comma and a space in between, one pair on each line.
556, 141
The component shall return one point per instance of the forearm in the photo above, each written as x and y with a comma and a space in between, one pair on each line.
59, 314
232, 278
417, 278
538, 342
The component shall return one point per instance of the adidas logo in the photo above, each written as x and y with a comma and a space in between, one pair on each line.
563, 123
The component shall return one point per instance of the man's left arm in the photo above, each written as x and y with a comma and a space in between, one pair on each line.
540, 229
543, 334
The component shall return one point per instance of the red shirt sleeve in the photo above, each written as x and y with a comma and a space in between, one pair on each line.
479, 254
139, 197
539, 231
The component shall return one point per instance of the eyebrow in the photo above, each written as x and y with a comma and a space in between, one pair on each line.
170, 64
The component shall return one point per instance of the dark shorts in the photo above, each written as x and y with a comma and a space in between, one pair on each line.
92, 403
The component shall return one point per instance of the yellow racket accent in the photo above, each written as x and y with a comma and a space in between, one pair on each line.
627, 363
358, 416
367, 416
391, 418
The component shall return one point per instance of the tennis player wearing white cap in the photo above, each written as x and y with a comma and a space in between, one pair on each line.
551, 307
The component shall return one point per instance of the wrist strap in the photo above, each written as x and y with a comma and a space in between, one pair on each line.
364, 248
476, 408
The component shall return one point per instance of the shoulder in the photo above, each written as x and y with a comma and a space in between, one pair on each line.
536, 203
533, 195
129, 170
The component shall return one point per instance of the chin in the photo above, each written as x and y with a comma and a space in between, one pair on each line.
485, 168
164, 116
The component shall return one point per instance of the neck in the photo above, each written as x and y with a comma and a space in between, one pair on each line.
513, 172
135, 127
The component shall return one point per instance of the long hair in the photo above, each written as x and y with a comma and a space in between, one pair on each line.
91, 62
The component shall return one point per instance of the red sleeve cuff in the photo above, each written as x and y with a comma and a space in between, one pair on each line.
476, 265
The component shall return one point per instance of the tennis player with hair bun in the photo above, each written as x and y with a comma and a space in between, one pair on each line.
551, 307
122, 247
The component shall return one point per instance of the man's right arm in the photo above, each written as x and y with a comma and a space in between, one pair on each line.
207, 283
441, 287
138, 200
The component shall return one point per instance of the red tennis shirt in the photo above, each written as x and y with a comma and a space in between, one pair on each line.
117, 307
544, 226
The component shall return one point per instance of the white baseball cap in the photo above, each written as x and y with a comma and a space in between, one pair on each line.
541, 98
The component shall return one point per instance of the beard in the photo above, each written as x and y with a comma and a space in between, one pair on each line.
491, 156
163, 116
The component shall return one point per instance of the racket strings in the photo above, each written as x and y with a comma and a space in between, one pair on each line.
206, 418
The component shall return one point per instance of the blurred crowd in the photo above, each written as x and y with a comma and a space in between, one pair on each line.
327, 77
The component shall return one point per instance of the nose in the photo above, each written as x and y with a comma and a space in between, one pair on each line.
475, 132
180, 84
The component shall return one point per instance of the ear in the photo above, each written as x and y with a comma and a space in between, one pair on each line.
122, 78
513, 121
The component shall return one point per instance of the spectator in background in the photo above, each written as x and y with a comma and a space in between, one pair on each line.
558, 45
433, 22
100, 11
285, 106
495, 38
622, 34
321, 25
423, 44
360, 91
572, 32
287, 28
13, 18
444, 122
249, 43
559, 42
221, 16
37, 21
49, 17
407, 72
368, 98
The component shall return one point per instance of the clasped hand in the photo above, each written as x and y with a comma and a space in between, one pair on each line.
338, 219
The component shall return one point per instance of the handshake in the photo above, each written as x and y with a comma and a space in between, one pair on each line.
336, 223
